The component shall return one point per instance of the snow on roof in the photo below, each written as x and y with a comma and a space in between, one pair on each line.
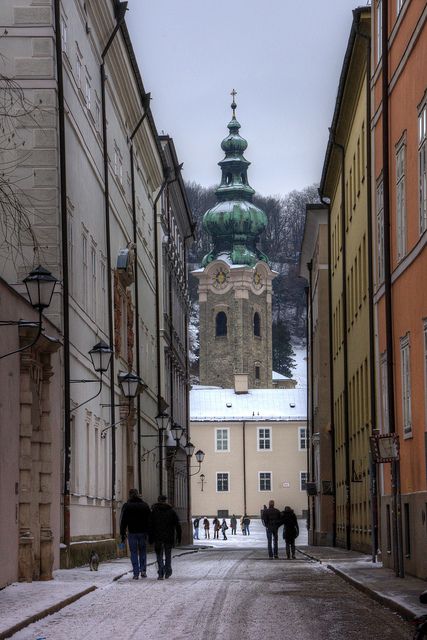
216, 404
278, 376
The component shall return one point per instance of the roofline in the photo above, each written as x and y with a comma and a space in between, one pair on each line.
167, 138
357, 13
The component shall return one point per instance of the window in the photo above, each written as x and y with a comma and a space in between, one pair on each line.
302, 438
384, 392
222, 483
70, 252
257, 325
84, 264
257, 372
379, 29
78, 71
221, 324
399, 5
380, 232
406, 385
64, 34
264, 480
97, 115
103, 270
87, 93
93, 279
221, 439
264, 439
400, 201
303, 477
422, 163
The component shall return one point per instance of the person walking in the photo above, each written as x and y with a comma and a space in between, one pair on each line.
164, 531
271, 518
196, 528
242, 525
290, 531
216, 527
246, 523
233, 524
224, 527
135, 520
206, 527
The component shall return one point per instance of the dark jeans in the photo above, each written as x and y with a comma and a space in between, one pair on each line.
272, 538
164, 558
138, 552
290, 547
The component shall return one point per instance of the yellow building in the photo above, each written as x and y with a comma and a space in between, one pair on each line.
345, 182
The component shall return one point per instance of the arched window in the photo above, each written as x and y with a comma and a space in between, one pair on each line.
228, 178
221, 324
257, 325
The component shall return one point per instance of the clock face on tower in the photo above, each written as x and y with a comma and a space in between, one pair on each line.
220, 278
257, 280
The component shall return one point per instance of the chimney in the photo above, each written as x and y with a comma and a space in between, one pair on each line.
241, 383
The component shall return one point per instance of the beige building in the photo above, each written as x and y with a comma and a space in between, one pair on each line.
255, 450
314, 268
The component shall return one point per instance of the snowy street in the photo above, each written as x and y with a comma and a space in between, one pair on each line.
231, 591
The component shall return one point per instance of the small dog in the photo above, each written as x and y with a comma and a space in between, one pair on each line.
93, 561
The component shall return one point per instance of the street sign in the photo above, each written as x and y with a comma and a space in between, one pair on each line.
385, 447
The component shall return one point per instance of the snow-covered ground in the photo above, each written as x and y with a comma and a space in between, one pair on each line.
257, 538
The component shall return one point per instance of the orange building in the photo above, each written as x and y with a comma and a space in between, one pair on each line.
399, 200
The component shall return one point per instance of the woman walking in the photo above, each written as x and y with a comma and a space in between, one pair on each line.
290, 531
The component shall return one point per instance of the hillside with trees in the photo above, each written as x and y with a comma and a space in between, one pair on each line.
281, 243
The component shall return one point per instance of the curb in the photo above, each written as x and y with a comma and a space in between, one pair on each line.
46, 612
391, 604
407, 614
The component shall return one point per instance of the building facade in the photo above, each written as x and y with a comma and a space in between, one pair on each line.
314, 267
95, 179
399, 200
345, 183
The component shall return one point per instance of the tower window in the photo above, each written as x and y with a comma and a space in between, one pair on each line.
257, 325
228, 178
221, 324
243, 177
257, 373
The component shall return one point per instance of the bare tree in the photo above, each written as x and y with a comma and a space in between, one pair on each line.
16, 210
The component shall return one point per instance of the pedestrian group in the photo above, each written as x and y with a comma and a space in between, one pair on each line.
159, 526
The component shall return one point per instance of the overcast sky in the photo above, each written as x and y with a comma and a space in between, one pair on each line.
283, 57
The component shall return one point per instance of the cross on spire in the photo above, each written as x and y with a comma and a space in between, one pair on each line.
233, 104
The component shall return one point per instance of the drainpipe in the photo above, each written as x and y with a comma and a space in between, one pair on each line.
159, 359
331, 374
121, 11
146, 104
395, 466
345, 347
244, 467
372, 383
311, 374
309, 347
65, 285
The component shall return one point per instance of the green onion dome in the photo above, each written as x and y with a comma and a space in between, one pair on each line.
235, 223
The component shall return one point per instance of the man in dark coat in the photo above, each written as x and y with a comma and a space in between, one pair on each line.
164, 525
271, 519
135, 518
290, 531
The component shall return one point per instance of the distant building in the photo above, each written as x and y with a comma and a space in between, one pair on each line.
255, 450
250, 423
314, 268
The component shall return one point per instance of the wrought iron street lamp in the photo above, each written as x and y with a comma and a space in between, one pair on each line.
40, 284
100, 355
189, 448
177, 432
130, 385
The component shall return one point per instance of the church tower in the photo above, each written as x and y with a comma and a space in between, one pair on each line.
235, 280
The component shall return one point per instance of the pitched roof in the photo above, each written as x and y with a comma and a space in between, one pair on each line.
216, 404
